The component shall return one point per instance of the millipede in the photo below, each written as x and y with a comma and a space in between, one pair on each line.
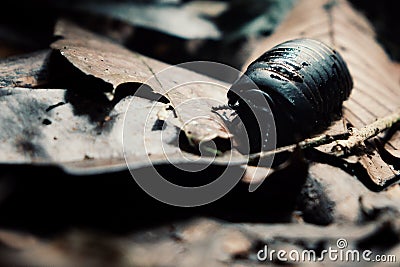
304, 82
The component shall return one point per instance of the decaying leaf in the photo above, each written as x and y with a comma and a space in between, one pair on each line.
189, 21
50, 126
89, 129
98, 56
192, 95
29, 70
376, 86
83, 133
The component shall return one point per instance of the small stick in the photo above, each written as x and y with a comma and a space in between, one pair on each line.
358, 136
307, 143
345, 142
354, 138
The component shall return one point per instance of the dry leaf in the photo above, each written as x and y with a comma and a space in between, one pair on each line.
190, 21
65, 128
376, 79
55, 126
30, 70
116, 65
46, 127
100, 57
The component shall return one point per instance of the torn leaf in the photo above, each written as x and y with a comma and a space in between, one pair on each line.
192, 95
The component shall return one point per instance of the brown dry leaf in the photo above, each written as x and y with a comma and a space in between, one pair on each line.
376, 79
25, 71
44, 126
101, 58
47, 126
38, 121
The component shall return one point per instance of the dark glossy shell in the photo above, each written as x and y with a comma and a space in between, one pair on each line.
305, 82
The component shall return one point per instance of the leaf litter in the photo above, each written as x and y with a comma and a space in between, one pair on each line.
224, 243
376, 89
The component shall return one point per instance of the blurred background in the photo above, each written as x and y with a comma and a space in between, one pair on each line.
173, 31
47, 202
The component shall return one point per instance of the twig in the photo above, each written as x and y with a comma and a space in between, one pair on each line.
354, 138
358, 136
307, 143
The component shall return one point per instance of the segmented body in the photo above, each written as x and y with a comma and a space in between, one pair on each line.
304, 82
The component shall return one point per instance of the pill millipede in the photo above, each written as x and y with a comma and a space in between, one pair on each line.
304, 82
